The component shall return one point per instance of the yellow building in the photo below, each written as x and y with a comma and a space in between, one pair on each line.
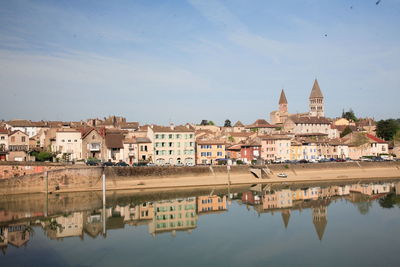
208, 151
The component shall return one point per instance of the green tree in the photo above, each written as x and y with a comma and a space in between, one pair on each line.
396, 137
211, 123
349, 115
227, 123
346, 131
44, 156
386, 129
231, 139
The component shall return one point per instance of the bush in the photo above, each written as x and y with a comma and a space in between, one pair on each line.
286, 166
239, 162
44, 156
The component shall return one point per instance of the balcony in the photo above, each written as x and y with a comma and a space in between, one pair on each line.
94, 147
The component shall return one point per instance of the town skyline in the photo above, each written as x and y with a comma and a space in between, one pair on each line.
187, 61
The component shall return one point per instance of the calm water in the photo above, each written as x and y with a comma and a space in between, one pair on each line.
302, 225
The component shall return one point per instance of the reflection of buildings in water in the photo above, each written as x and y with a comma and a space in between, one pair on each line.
320, 221
397, 188
6, 216
251, 198
93, 223
277, 199
174, 215
65, 226
211, 203
285, 217
17, 234
371, 189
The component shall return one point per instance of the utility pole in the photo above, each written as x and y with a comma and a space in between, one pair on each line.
104, 203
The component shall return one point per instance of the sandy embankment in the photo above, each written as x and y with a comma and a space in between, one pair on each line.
220, 179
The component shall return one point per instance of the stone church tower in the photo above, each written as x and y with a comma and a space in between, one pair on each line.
280, 116
316, 101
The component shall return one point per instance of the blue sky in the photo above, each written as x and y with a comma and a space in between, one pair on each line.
184, 61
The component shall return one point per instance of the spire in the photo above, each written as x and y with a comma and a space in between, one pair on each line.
316, 91
285, 217
282, 99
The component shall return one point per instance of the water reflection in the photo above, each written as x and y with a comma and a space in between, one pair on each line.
81, 214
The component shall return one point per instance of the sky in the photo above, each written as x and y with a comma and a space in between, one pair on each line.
185, 61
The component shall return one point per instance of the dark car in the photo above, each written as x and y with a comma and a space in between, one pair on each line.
340, 160
303, 161
92, 163
108, 164
122, 164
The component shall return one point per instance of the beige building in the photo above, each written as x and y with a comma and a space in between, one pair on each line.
93, 144
211, 203
279, 116
18, 146
275, 147
138, 149
209, 151
3, 144
69, 144
173, 144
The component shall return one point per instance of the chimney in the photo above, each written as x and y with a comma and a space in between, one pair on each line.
172, 126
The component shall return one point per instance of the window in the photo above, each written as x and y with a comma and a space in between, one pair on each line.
219, 146
157, 136
63, 140
219, 154
2, 138
22, 138
69, 141
75, 140
170, 136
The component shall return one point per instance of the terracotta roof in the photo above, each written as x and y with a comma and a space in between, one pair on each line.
238, 124
13, 132
130, 125
87, 131
20, 123
210, 142
114, 140
316, 91
310, 120
260, 123
275, 137
179, 128
140, 140
234, 147
244, 134
3, 131
375, 139
311, 134
282, 98
252, 142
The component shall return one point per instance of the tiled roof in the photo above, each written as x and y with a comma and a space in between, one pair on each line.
20, 123
260, 123
114, 140
376, 139
234, 147
238, 124
179, 128
243, 134
275, 137
209, 142
3, 131
130, 125
316, 91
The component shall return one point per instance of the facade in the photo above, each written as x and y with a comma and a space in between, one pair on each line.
138, 149
173, 145
310, 125
211, 203
3, 144
250, 151
18, 146
69, 144
209, 151
93, 144
261, 126
275, 148
114, 145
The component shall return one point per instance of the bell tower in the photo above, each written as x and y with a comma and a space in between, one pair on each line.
316, 101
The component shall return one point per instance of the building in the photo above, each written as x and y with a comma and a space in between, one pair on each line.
251, 150
279, 116
138, 149
211, 203
275, 147
3, 144
93, 144
363, 144
210, 151
114, 145
316, 101
261, 126
18, 146
69, 144
233, 152
173, 144
310, 125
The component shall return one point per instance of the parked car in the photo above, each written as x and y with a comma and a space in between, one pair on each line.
303, 161
324, 160
180, 164
282, 175
122, 164
190, 164
340, 160
150, 164
92, 163
108, 164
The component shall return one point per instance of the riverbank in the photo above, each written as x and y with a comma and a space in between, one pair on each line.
163, 178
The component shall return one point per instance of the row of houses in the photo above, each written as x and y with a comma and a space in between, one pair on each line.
185, 144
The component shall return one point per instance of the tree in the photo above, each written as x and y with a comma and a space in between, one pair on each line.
204, 122
396, 137
386, 129
231, 139
211, 123
349, 115
227, 123
44, 156
346, 131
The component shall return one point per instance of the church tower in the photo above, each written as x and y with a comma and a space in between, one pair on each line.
316, 101
283, 104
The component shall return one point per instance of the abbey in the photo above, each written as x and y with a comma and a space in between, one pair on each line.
316, 106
